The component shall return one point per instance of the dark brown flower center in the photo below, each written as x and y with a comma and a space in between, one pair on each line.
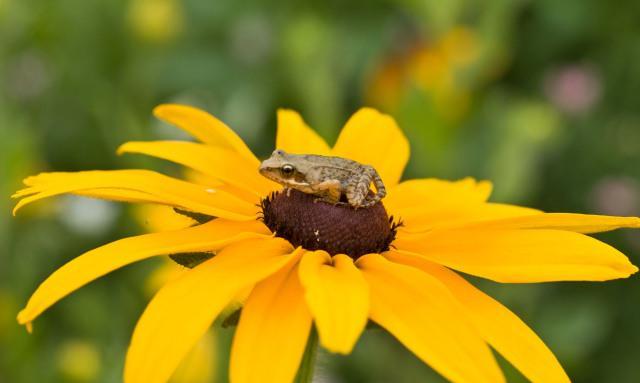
337, 229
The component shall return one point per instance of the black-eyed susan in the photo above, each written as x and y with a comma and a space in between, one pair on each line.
336, 267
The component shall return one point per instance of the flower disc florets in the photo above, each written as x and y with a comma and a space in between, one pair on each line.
337, 229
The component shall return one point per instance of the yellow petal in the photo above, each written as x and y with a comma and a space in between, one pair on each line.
200, 178
170, 191
204, 127
375, 139
424, 218
140, 197
427, 204
518, 256
272, 332
98, 262
183, 310
501, 328
120, 195
295, 136
433, 194
580, 223
338, 297
133, 196
220, 163
423, 315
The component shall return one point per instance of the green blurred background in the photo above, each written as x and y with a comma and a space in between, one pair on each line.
539, 97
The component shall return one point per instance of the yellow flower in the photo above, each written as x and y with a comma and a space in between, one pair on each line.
403, 278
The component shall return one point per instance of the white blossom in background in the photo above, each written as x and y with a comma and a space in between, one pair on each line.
88, 216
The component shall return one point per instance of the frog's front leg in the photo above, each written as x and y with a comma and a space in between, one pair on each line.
329, 191
301, 186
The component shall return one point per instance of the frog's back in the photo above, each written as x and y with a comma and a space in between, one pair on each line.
336, 164
326, 167
331, 161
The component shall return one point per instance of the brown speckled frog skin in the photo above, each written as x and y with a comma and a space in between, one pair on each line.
329, 178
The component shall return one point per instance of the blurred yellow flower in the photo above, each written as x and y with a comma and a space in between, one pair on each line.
156, 21
401, 277
79, 361
199, 364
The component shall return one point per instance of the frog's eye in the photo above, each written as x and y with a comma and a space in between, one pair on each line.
287, 169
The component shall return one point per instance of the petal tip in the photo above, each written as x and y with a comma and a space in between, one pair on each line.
632, 269
625, 268
288, 116
127, 147
285, 110
160, 110
16, 208
122, 149
342, 349
486, 186
25, 320
368, 109
165, 111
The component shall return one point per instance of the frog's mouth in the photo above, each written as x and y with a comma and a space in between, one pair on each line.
337, 229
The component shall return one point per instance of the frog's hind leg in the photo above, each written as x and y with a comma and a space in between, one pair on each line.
329, 191
381, 191
357, 191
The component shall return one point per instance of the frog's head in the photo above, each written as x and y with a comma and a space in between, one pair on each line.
283, 168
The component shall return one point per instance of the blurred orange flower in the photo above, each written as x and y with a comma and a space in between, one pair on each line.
436, 68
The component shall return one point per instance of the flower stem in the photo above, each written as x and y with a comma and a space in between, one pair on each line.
305, 372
